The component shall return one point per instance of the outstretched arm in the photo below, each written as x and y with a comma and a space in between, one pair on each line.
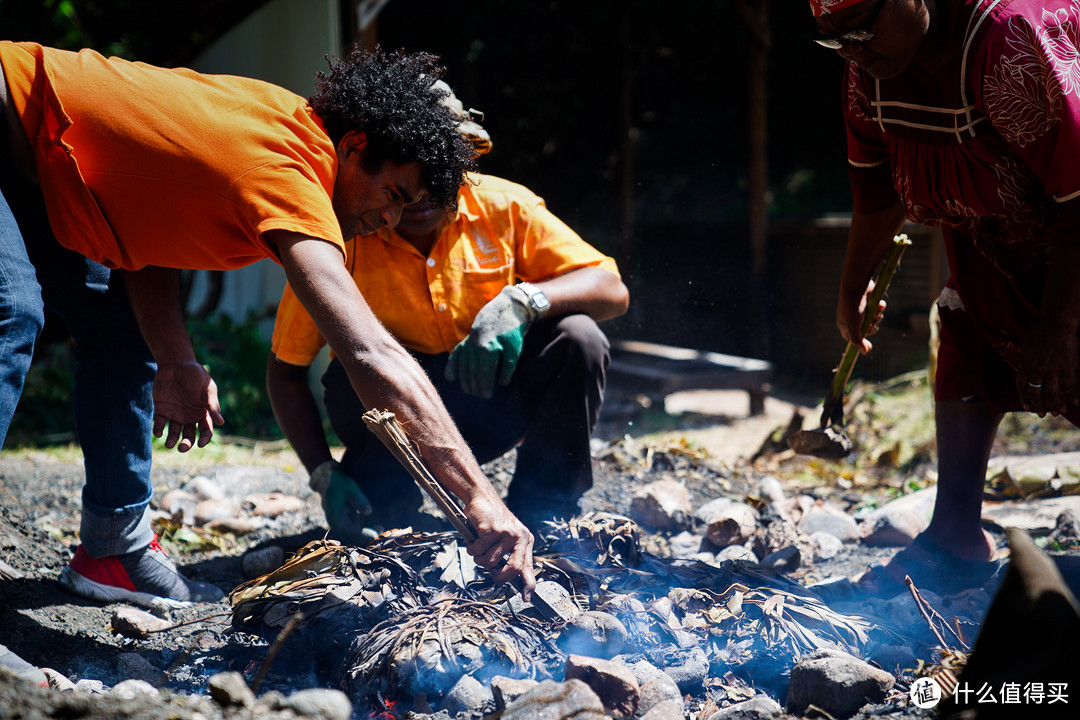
385, 376
185, 396
296, 411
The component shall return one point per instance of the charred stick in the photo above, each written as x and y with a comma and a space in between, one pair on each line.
275, 648
389, 430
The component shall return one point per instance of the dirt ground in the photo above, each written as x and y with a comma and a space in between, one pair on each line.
39, 511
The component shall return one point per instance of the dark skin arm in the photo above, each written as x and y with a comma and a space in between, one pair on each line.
869, 239
296, 411
385, 376
597, 293
185, 396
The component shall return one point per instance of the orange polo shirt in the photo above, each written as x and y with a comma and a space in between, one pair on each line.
502, 233
141, 165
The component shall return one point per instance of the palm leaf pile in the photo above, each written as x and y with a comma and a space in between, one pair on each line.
425, 650
410, 614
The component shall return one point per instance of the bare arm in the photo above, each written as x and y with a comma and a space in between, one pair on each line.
185, 396
870, 238
598, 293
1046, 376
296, 411
385, 376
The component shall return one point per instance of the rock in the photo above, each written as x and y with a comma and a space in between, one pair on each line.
613, 683
897, 527
204, 488
771, 489
729, 522
216, 509
90, 687
661, 505
57, 681
785, 559
761, 707
272, 700
133, 688
685, 545
829, 519
1038, 517
134, 666
659, 690
894, 657
689, 670
228, 689
736, 552
556, 599
824, 546
134, 623
506, 690
180, 505
256, 563
665, 710
593, 633
273, 504
836, 682
319, 703
466, 696
236, 525
552, 700
644, 671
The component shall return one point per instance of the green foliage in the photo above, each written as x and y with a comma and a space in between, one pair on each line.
235, 355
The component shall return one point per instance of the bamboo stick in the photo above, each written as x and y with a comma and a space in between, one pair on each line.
832, 412
389, 430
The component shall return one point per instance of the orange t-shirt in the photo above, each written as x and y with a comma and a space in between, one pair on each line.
141, 165
502, 233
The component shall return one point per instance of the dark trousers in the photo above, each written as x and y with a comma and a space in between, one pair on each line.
550, 406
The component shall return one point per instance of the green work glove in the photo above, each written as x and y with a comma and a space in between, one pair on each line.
343, 503
491, 351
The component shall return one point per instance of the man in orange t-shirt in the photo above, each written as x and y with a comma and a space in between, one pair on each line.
116, 174
499, 302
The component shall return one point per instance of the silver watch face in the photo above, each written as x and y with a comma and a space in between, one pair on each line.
536, 295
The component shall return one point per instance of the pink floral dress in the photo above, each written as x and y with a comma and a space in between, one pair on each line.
988, 149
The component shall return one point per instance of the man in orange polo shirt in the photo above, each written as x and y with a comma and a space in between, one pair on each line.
499, 302
116, 174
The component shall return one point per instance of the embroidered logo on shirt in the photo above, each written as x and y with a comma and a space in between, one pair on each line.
486, 251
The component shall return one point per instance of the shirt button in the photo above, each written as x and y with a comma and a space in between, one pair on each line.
442, 307
431, 262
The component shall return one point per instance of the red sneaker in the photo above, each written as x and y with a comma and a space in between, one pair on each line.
145, 577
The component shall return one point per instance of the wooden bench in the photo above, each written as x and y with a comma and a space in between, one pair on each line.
654, 370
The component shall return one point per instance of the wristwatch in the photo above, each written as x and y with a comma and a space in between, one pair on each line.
539, 300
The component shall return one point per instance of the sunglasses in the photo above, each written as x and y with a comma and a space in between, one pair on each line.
851, 37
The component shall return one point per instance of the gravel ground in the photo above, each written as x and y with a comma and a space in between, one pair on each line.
39, 511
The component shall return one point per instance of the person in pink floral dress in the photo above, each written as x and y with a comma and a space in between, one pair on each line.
965, 115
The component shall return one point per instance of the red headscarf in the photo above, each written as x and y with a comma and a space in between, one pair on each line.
824, 7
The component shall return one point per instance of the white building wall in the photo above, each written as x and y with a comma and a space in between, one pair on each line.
285, 42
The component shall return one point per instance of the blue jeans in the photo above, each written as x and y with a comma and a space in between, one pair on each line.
114, 369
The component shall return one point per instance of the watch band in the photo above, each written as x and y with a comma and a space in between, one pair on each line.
539, 300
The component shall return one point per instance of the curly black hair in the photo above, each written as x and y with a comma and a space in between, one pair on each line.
389, 97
